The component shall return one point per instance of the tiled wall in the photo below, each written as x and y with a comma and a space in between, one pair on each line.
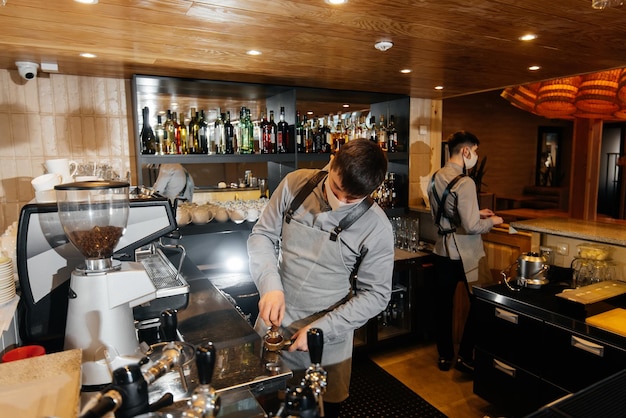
86, 119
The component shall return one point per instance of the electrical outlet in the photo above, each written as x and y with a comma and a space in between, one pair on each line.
562, 249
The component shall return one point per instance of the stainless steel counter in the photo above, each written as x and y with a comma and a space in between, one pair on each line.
240, 373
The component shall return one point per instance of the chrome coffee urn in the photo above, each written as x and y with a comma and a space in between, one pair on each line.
531, 268
103, 291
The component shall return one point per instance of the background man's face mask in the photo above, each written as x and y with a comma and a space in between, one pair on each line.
471, 162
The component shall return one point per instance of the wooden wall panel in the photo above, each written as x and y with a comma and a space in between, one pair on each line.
508, 138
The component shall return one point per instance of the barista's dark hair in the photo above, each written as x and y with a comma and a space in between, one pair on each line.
362, 166
461, 139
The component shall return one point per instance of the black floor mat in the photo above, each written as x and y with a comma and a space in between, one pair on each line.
374, 393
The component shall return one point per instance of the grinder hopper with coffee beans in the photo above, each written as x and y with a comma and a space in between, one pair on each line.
532, 269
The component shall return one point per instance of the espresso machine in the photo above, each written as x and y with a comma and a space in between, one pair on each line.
102, 291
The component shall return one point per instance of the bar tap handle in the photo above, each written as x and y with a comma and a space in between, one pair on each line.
169, 325
315, 377
205, 362
315, 341
204, 402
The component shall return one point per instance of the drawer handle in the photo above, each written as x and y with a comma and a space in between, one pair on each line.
506, 315
504, 368
588, 346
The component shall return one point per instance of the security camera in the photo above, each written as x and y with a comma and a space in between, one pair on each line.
27, 70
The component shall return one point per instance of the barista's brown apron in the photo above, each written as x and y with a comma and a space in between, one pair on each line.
315, 280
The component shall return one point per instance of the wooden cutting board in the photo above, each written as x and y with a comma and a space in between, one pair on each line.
613, 320
594, 292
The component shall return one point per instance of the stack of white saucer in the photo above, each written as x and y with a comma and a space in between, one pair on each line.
7, 281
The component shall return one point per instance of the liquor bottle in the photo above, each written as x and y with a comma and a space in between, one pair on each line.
176, 141
250, 131
229, 136
273, 131
218, 141
203, 134
308, 135
373, 134
319, 136
330, 134
325, 131
265, 135
148, 140
392, 135
245, 134
183, 136
283, 142
194, 132
170, 133
159, 133
382, 133
339, 134
300, 132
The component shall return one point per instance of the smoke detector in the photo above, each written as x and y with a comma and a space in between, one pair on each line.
383, 45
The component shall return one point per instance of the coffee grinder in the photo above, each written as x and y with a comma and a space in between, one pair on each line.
103, 291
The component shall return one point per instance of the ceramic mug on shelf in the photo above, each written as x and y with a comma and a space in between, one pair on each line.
66, 168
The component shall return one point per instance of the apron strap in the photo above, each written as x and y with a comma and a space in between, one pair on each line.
303, 193
442, 202
352, 217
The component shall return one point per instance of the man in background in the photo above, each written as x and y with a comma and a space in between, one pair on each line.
459, 247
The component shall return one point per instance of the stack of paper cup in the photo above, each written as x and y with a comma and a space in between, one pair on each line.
7, 281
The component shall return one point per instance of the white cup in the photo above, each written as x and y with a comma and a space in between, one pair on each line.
66, 168
46, 181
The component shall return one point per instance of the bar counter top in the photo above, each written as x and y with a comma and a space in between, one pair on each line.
607, 231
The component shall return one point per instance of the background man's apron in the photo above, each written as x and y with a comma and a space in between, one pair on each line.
315, 280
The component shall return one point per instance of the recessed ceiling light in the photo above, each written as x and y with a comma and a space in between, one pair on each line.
253, 52
438, 87
346, 105
528, 37
336, 1
406, 71
87, 1
383, 45
310, 112
534, 68
88, 55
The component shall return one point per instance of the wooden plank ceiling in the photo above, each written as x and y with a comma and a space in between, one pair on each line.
466, 46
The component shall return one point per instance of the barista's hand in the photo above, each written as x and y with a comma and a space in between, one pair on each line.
486, 213
272, 307
300, 340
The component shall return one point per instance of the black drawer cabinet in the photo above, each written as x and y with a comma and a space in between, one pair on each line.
510, 335
511, 387
577, 361
527, 357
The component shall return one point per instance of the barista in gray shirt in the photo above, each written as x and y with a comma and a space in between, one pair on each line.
303, 273
459, 247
